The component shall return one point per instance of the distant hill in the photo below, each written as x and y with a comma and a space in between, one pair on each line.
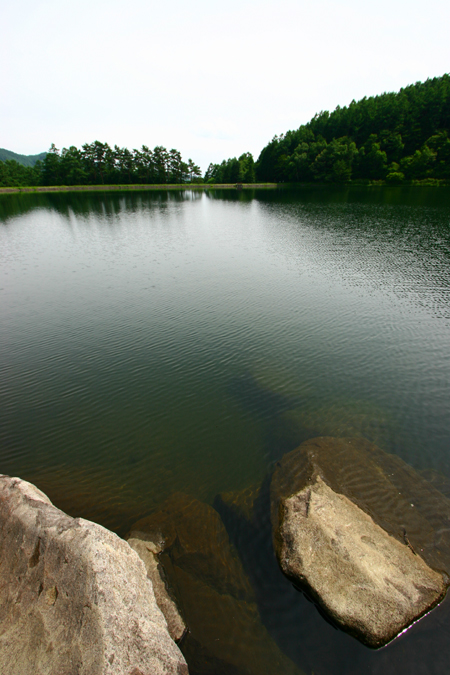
26, 160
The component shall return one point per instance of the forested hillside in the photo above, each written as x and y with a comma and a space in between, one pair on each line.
97, 164
26, 160
394, 136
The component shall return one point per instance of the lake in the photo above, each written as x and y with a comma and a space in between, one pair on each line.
161, 342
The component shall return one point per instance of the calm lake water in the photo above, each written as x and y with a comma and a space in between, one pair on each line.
153, 342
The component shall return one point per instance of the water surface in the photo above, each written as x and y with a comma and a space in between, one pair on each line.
177, 341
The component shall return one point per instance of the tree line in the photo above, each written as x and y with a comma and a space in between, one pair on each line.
392, 137
232, 170
98, 164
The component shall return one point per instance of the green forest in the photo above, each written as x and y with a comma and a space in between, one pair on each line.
99, 164
392, 138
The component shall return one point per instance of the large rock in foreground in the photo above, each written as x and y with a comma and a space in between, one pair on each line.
74, 597
362, 533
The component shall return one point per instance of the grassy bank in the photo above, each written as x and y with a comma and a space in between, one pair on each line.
431, 182
104, 188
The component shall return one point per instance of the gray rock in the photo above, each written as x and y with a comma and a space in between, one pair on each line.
344, 532
74, 597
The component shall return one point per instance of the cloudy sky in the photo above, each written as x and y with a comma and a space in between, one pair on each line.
212, 79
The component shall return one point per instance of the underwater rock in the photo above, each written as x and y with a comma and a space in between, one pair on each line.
437, 480
345, 418
225, 635
362, 533
197, 540
281, 380
240, 503
74, 597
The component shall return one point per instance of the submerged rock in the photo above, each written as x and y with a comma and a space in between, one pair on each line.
74, 597
437, 480
343, 418
225, 635
362, 533
240, 503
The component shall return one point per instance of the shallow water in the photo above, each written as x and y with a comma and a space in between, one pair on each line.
177, 341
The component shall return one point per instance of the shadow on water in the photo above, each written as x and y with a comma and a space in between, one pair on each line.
233, 195
269, 406
259, 400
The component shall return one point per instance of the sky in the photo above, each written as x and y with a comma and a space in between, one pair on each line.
211, 79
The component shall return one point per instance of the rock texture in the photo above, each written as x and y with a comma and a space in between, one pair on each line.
225, 635
148, 551
74, 597
363, 533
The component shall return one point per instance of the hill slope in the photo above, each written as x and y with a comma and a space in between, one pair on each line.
393, 136
26, 160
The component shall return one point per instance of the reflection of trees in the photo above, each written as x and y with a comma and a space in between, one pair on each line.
85, 203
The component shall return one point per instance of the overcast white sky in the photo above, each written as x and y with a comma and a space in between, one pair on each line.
212, 79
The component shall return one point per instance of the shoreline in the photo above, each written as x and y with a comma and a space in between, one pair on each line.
121, 188
215, 186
